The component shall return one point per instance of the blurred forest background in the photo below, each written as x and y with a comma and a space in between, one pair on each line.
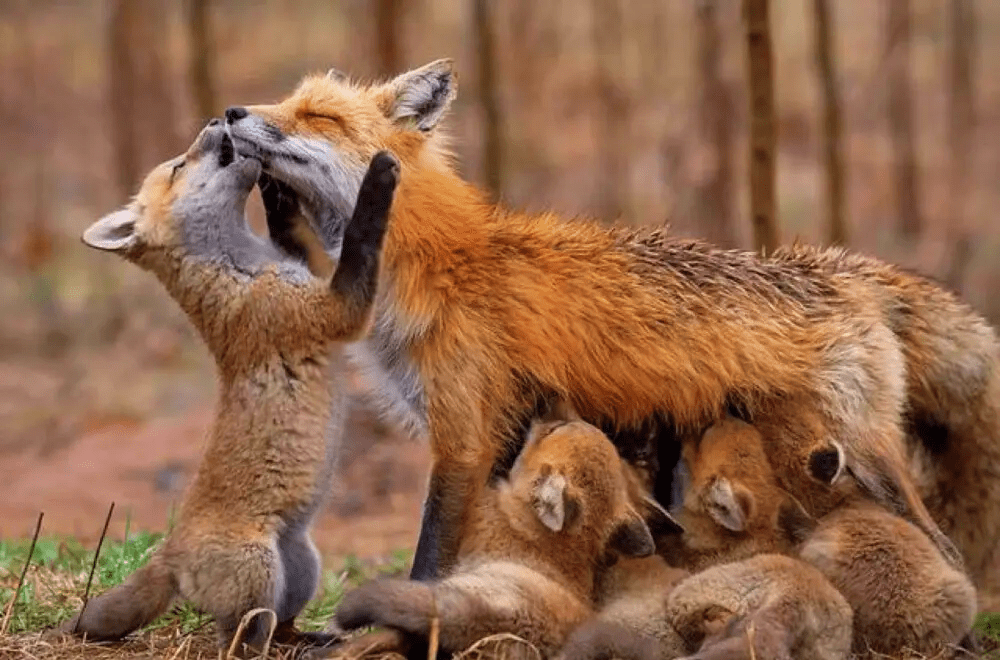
885, 135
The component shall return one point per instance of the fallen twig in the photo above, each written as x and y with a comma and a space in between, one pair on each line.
20, 581
93, 567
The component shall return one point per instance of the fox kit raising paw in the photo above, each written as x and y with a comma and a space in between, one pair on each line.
242, 537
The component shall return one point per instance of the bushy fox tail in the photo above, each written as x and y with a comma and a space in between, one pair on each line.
133, 604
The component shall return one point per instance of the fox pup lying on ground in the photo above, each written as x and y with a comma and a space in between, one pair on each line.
904, 594
488, 311
529, 564
649, 610
242, 537
768, 606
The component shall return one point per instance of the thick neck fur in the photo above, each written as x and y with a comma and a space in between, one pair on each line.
200, 287
213, 297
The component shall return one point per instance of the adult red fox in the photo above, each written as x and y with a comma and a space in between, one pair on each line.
486, 312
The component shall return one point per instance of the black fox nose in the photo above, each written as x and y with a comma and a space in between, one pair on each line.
235, 113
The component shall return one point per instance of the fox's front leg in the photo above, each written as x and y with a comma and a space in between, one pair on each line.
355, 281
443, 513
463, 458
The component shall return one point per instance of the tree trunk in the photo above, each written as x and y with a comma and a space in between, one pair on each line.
715, 123
763, 208
961, 127
121, 72
202, 59
612, 129
909, 221
151, 40
489, 94
832, 131
388, 26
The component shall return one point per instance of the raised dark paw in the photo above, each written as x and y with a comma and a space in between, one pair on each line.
375, 197
385, 166
365, 232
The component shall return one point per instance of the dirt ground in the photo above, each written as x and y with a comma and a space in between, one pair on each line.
374, 508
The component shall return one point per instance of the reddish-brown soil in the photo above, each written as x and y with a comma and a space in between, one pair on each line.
374, 508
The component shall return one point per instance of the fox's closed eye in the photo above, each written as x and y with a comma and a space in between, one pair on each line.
319, 115
176, 169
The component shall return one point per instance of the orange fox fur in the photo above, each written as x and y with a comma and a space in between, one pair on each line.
952, 410
732, 506
530, 562
904, 595
487, 311
241, 540
767, 606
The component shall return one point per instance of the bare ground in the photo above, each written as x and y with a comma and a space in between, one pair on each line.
142, 467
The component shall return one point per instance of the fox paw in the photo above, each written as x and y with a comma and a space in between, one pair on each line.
377, 188
399, 604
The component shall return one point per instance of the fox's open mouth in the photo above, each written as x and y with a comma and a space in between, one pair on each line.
227, 152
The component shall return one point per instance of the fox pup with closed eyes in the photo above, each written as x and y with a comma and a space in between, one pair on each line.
276, 331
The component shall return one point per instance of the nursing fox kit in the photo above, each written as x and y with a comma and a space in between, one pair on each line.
531, 561
242, 538
486, 312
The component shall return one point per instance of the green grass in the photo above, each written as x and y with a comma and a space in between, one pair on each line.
55, 583
987, 627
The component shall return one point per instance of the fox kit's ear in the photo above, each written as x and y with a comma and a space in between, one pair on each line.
422, 96
560, 410
729, 506
659, 519
555, 507
114, 232
827, 464
632, 538
794, 521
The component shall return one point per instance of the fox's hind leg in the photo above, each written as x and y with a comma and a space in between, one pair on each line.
229, 579
301, 567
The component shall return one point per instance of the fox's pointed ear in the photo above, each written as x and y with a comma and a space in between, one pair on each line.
114, 232
422, 96
560, 410
632, 538
730, 506
554, 505
827, 465
660, 520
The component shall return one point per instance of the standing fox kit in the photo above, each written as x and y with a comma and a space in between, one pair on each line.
529, 564
903, 592
485, 312
242, 537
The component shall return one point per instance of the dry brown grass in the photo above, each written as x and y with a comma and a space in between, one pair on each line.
172, 644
